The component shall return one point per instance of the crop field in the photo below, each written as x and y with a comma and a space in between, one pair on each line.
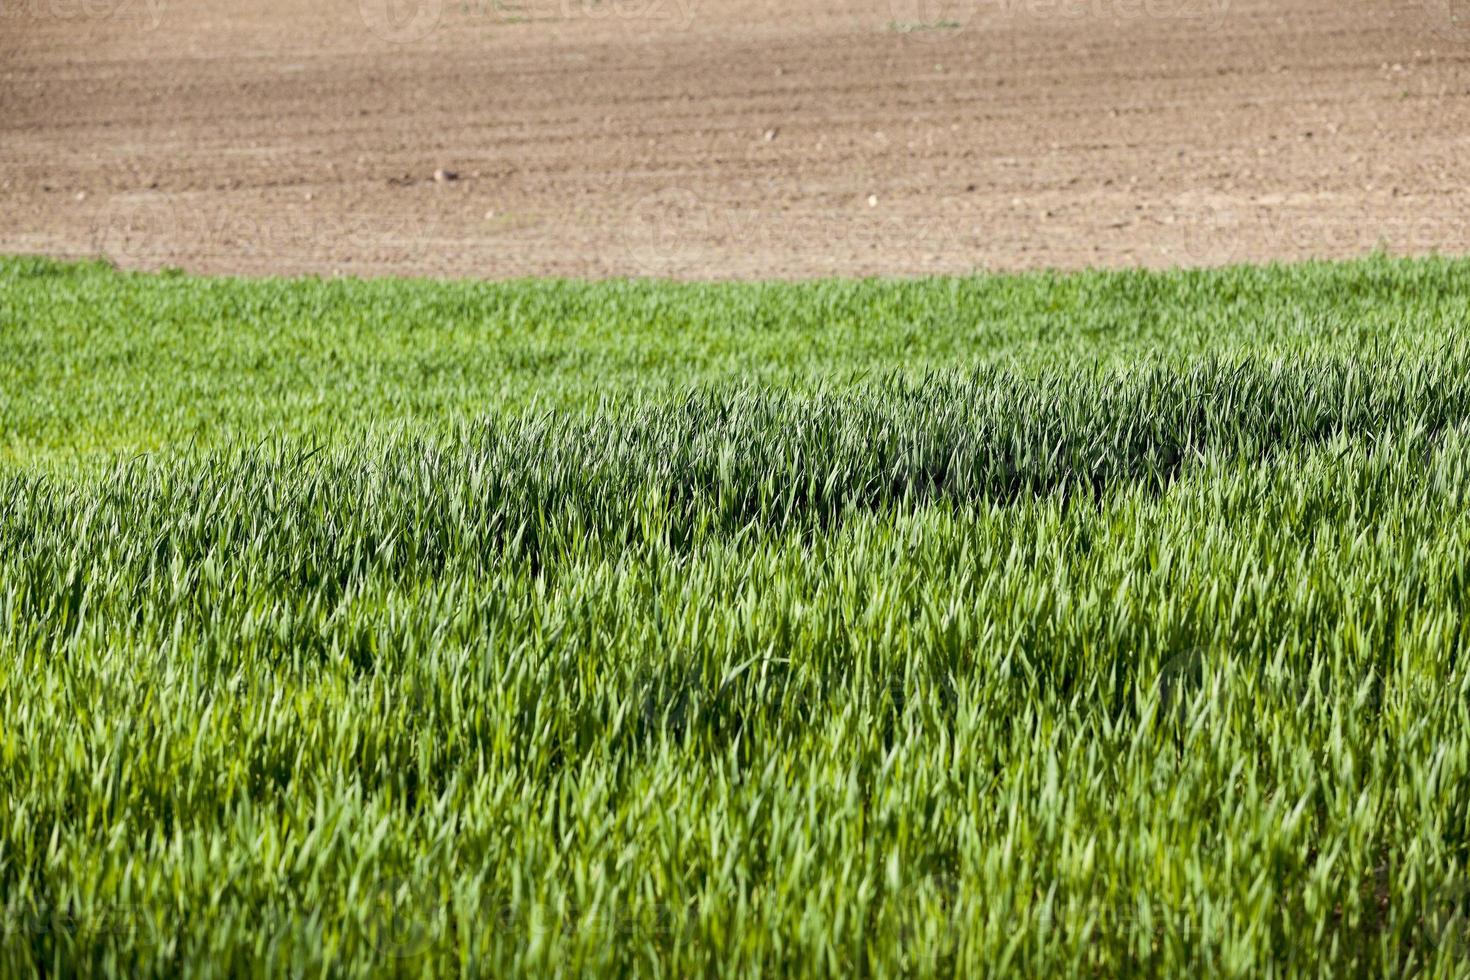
730, 139
1103, 623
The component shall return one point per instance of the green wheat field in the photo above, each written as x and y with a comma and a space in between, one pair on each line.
1096, 624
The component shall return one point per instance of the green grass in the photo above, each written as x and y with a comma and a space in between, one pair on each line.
1097, 624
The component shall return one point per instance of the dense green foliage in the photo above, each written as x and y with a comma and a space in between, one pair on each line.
1096, 624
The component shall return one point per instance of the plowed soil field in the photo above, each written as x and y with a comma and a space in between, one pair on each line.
713, 139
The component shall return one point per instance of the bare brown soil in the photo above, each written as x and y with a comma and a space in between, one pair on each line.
730, 138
